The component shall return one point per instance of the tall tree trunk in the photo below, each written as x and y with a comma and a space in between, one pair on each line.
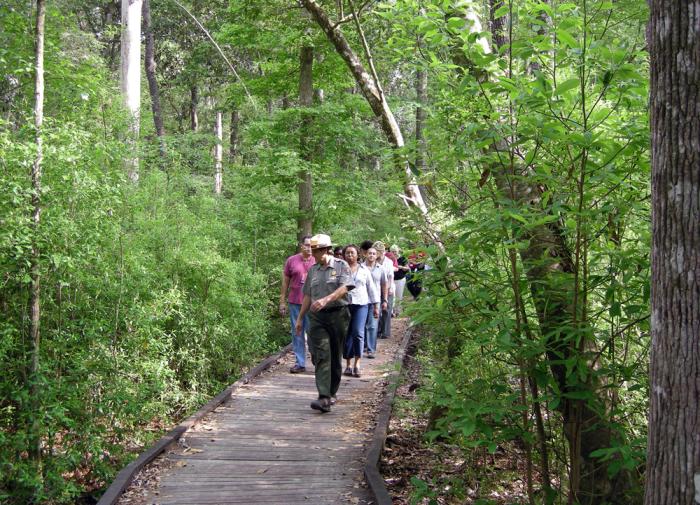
194, 105
376, 99
150, 66
306, 98
421, 100
218, 155
34, 267
673, 463
131, 79
234, 148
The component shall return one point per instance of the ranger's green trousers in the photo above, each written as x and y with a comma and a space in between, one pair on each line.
327, 332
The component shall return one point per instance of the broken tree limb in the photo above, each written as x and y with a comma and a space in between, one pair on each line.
377, 102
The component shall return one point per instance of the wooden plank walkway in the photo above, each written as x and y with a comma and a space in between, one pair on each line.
266, 445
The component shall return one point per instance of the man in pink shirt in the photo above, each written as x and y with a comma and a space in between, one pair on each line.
293, 276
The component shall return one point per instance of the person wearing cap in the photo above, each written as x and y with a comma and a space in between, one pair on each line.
326, 301
294, 274
387, 264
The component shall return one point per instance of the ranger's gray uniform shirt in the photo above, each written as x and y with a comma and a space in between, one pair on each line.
323, 280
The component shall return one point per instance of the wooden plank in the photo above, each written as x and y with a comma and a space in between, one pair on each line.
125, 476
266, 445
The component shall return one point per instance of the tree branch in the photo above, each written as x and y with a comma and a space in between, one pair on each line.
233, 69
365, 46
349, 17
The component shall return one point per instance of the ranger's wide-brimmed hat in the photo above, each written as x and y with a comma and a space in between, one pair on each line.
320, 241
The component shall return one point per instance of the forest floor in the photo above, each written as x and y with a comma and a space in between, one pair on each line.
417, 471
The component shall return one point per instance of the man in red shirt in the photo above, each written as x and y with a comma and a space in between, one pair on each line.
293, 277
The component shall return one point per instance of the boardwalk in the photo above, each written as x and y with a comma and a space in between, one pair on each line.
265, 445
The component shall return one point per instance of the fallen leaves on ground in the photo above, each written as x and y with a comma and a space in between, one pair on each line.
451, 476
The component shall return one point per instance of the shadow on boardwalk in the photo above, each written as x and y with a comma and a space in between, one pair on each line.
265, 445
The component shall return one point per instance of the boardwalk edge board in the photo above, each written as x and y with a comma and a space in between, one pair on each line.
374, 478
127, 474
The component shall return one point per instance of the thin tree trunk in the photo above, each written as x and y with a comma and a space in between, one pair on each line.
131, 79
306, 97
150, 67
376, 99
673, 463
523, 326
194, 104
421, 99
34, 268
551, 272
218, 155
234, 148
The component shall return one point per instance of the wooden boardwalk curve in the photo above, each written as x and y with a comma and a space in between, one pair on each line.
266, 445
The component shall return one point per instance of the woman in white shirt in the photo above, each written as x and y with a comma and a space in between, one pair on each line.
361, 298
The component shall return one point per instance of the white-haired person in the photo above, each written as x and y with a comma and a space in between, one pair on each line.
385, 262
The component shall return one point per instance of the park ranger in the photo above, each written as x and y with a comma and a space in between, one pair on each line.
326, 301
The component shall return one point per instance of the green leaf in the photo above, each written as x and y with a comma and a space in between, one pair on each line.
501, 11
565, 86
578, 395
567, 38
468, 427
517, 217
455, 23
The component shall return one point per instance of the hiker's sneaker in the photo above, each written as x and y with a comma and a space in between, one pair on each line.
297, 369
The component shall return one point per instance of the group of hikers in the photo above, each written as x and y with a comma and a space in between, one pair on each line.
343, 299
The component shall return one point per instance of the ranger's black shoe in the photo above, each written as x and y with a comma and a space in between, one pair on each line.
322, 404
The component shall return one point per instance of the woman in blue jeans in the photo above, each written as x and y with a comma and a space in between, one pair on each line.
361, 297
379, 303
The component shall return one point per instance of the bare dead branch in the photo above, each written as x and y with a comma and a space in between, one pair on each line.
233, 69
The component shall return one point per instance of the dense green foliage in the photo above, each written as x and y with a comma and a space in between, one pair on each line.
568, 117
156, 295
